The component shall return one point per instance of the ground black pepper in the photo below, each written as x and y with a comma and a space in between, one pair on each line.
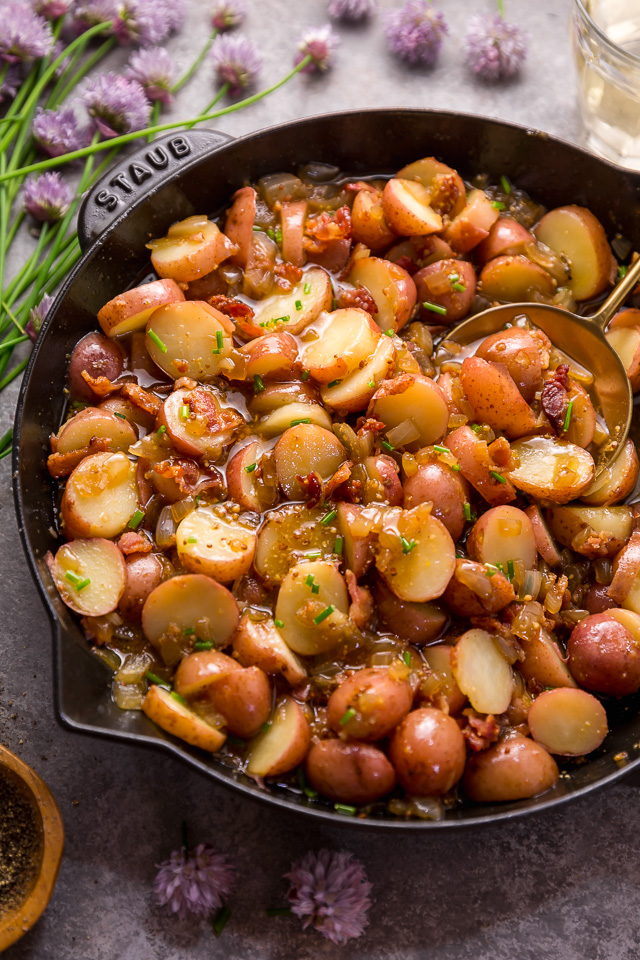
20, 839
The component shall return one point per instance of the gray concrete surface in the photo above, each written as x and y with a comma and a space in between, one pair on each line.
563, 886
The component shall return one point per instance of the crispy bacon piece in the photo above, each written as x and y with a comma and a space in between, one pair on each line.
231, 307
341, 476
101, 386
362, 607
554, 399
288, 271
62, 464
143, 399
327, 240
184, 472
133, 542
407, 264
500, 452
359, 297
367, 425
314, 488
479, 731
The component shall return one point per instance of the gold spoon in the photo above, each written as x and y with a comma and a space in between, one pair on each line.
583, 340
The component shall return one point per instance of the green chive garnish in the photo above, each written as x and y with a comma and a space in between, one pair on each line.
203, 645
198, 499
250, 468
158, 342
567, 419
371, 384
455, 466
439, 449
121, 416
83, 584
295, 423
307, 288
184, 411
407, 545
154, 678
279, 624
266, 726
271, 233
325, 613
282, 911
328, 517
388, 333
622, 271
499, 566
345, 808
497, 476
76, 581
315, 588
334, 304
338, 546
258, 385
510, 570
188, 631
313, 555
505, 183
305, 374
284, 319
458, 286
161, 430
257, 229
346, 716
387, 445
309, 580
219, 340
476, 427
298, 304
467, 511
406, 656
497, 204
221, 920
490, 572
192, 540
434, 307
334, 383
176, 696
136, 520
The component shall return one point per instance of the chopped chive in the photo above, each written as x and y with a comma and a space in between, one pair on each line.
499, 565
295, 423
305, 374
136, 519
250, 468
434, 307
505, 183
279, 624
334, 304
406, 656
307, 288
622, 271
82, 584
154, 678
346, 716
120, 416
184, 411
192, 540
281, 911
176, 696
567, 419
258, 385
313, 554
298, 304
387, 445
266, 726
278, 234
271, 233
284, 319
328, 517
345, 808
388, 333
188, 631
371, 384
455, 466
338, 546
454, 276
219, 340
315, 588
235, 741
158, 342
311, 793
476, 427
497, 204
325, 613
440, 449
309, 580
161, 430
334, 383
202, 645
489, 571
467, 511
407, 545
72, 577
458, 286
198, 498
256, 228
221, 921
497, 476
510, 570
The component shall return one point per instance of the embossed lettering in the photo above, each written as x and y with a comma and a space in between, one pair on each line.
139, 173
179, 147
121, 181
157, 158
107, 200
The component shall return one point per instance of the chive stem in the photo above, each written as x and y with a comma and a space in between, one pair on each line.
567, 419
434, 307
324, 614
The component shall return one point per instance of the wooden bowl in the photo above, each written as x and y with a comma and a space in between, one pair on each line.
17, 920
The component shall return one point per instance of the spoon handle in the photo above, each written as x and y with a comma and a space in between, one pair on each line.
617, 296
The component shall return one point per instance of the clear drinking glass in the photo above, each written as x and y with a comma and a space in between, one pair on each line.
606, 39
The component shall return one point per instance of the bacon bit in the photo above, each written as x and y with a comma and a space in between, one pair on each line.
360, 298
62, 464
313, 487
133, 542
289, 271
407, 264
101, 386
143, 399
328, 239
214, 484
367, 425
183, 472
231, 307
341, 476
181, 365
500, 452
554, 397
185, 383
479, 731
362, 607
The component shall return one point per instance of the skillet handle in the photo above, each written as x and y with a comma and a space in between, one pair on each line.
138, 175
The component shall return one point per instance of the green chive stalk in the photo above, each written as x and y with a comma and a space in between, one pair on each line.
179, 84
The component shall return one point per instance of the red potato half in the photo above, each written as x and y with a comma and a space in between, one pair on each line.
271, 357
419, 623
450, 284
428, 752
356, 390
472, 224
298, 607
506, 237
293, 215
357, 539
545, 544
568, 722
407, 208
90, 576
495, 397
447, 695
239, 223
191, 249
257, 643
390, 286
368, 221
345, 342
516, 768
482, 673
625, 586
244, 699
130, 311
144, 573
626, 343
306, 449
211, 543
99, 357
616, 482
445, 488
100, 496
582, 424
478, 468
190, 601
416, 556
551, 469
445, 186
384, 483
471, 592
196, 422
628, 317
349, 772
176, 719
241, 485
284, 745
93, 422
524, 356
279, 311
501, 534
125, 410
414, 398
543, 663
575, 233
281, 418
515, 279
203, 669
591, 531
190, 339
371, 702
604, 656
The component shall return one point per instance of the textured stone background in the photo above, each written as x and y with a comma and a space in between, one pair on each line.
562, 886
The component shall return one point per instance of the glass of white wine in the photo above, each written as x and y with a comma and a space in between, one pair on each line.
606, 40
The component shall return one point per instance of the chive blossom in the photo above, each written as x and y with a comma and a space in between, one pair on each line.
328, 517
346, 716
158, 342
250, 468
136, 519
434, 307
325, 613
279, 624
295, 423
258, 385
567, 419
497, 476
338, 546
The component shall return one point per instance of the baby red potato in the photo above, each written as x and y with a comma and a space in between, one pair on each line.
179, 721
543, 662
582, 423
414, 398
356, 390
626, 342
628, 317
503, 534
604, 656
191, 249
481, 672
591, 531
371, 702
257, 643
345, 341
524, 356
625, 585
390, 286
304, 449
190, 601
280, 311
312, 619
578, 235
428, 752
551, 469
97, 356
281, 418
239, 223
201, 670
447, 489
271, 357
407, 208
94, 422
130, 310
383, 471
293, 215
349, 772
478, 468
472, 224
545, 544
568, 722
416, 555
144, 573
506, 237
471, 592
90, 575
283, 745
368, 221
596, 599
196, 422
616, 482
243, 697
445, 186
416, 622
189, 339
126, 410
515, 280
515, 768
357, 538
241, 485
100, 496
289, 533
215, 544
450, 284
495, 397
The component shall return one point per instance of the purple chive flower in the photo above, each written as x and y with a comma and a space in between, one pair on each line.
52, 9
331, 892
154, 70
89, 13
23, 34
116, 105
10, 83
37, 316
415, 31
495, 49
319, 44
47, 197
228, 14
58, 131
236, 61
194, 882
351, 9
147, 22
174, 13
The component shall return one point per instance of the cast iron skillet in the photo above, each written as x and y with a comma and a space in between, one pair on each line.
196, 172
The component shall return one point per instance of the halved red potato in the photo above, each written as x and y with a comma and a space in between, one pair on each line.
90, 575
189, 339
596, 599
445, 186
551, 469
495, 397
428, 752
568, 722
244, 698
144, 573
357, 538
307, 627
345, 342
515, 768
616, 482
100, 496
275, 423
478, 468
123, 409
293, 215
545, 544
93, 422
306, 449
604, 656
625, 586
384, 483
176, 719
543, 661
279, 394
416, 622
280, 311
501, 534
214, 544
257, 643
515, 279
190, 601
413, 398
445, 488
349, 772
629, 619
99, 357
259, 274
416, 555
283, 745
524, 354
407, 208
356, 390
481, 672
197, 423
191, 249
628, 317
271, 357
473, 223
626, 343
240, 477
450, 284
390, 286
473, 591
371, 702
506, 237
368, 221
288, 534
130, 310
591, 531
239, 223
446, 694
201, 670
578, 235
582, 422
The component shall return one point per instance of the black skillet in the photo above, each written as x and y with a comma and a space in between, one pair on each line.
196, 172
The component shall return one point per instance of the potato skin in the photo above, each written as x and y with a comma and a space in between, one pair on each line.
417, 622
464, 602
495, 397
434, 285
428, 752
100, 357
243, 697
380, 702
350, 772
521, 355
597, 600
445, 488
144, 573
604, 657
516, 768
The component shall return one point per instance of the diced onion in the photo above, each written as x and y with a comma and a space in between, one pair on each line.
405, 432
166, 529
531, 586
128, 696
183, 508
478, 582
526, 626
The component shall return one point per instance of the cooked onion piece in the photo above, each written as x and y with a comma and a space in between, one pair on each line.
416, 399
551, 469
407, 208
258, 643
312, 621
344, 343
209, 542
445, 186
93, 422
100, 496
197, 423
591, 531
283, 417
190, 339
391, 287
90, 575
503, 534
416, 555
356, 390
280, 311
447, 692
283, 745
130, 310
302, 450
190, 601
515, 279
288, 534
191, 249
575, 233
568, 722
616, 482
271, 357
482, 673
175, 718
495, 398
